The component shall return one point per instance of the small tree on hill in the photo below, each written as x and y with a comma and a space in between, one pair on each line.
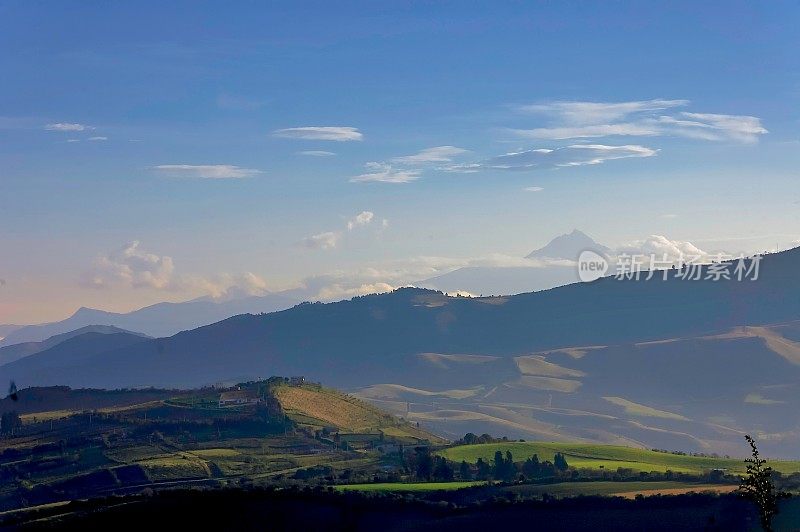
758, 487
560, 462
464, 471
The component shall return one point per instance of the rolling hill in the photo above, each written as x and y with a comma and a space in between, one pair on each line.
674, 364
10, 353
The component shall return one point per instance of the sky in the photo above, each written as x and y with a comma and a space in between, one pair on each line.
162, 151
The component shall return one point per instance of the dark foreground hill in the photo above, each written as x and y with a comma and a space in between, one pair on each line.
319, 510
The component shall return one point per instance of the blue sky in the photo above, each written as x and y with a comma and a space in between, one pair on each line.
184, 127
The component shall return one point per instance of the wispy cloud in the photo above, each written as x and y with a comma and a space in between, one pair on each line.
385, 173
645, 118
599, 112
548, 158
130, 266
205, 171
333, 133
327, 240
97, 139
331, 239
361, 219
316, 153
708, 126
438, 154
533, 189
67, 126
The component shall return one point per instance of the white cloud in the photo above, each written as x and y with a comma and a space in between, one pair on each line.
385, 173
338, 291
438, 154
643, 118
206, 171
327, 240
599, 112
97, 139
316, 153
361, 219
669, 216
660, 246
715, 126
66, 126
73, 140
130, 265
547, 158
533, 189
334, 133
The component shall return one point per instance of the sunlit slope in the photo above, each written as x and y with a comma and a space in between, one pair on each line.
321, 407
608, 457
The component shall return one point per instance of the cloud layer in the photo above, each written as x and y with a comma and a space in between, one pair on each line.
645, 118
205, 171
67, 126
334, 133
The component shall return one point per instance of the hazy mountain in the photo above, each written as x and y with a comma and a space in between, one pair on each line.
668, 363
548, 267
14, 352
161, 319
568, 247
5, 330
71, 355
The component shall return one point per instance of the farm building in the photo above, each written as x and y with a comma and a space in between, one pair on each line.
238, 397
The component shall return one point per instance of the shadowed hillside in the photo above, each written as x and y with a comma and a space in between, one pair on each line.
519, 363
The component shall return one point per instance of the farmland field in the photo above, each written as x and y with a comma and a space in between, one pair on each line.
608, 457
413, 486
620, 489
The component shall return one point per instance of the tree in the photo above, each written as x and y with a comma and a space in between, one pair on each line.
9, 422
758, 487
424, 463
484, 469
560, 462
464, 471
531, 467
442, 470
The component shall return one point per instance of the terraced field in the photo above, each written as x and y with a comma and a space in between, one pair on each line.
609, 457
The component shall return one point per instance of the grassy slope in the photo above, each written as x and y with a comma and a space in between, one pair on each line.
319, 406
610, 457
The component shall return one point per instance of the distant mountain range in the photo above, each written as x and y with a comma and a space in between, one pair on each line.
676, 363
548, 267
5, 330
568, 247
162, 319
14, 352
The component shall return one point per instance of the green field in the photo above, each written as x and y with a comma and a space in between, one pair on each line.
571, 489
608, 457
412, 486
